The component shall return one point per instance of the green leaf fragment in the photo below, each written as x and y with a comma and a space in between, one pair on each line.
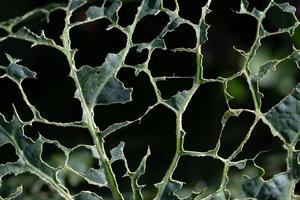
115, 127
296, 165
86, 195
277, 188
149, 7
25, 34
17, 72
117, 153
230, 113
220, 195
203, 32
111, 13
266, 68
178, 101
170, 188
284, 118
286, 7
99, 86
75, 4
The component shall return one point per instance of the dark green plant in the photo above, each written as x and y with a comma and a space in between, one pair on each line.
100, 86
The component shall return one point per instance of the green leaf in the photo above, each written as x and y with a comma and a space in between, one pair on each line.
230, 113
17, 72
149, 7
220, 195
244, 6
79, 160
99, 86
284, 118
25, 34
171, 187
286, 7
117, 153
75, 4
277, 188
111, 13
266, 68
114, 127
85, 195
203, 32
178, 101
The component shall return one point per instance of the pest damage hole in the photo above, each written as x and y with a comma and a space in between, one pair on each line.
149, 27
10, 152
183, 31
52, 155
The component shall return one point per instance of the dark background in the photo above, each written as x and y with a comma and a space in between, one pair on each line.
52, 92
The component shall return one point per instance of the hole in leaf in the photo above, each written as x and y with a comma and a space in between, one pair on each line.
236, 177
55, 27
183, 31
31, 132
52, 155
32, 186
75, 183
134, 57
166, 63
297, 188
9, 154
198, 173
238, 89
260, 5
191, 10
278, 84
262, 140
149, 27
242, 32
160, 138
234, 133
81, 159
127, 13
273, 162
3, 33
273, 23
120, 170
142, 96
171, 87
67, 136
202, 118
170, 4
94, 42
10, 95
55, 101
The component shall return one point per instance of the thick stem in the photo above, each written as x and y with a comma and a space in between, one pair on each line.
111, 180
